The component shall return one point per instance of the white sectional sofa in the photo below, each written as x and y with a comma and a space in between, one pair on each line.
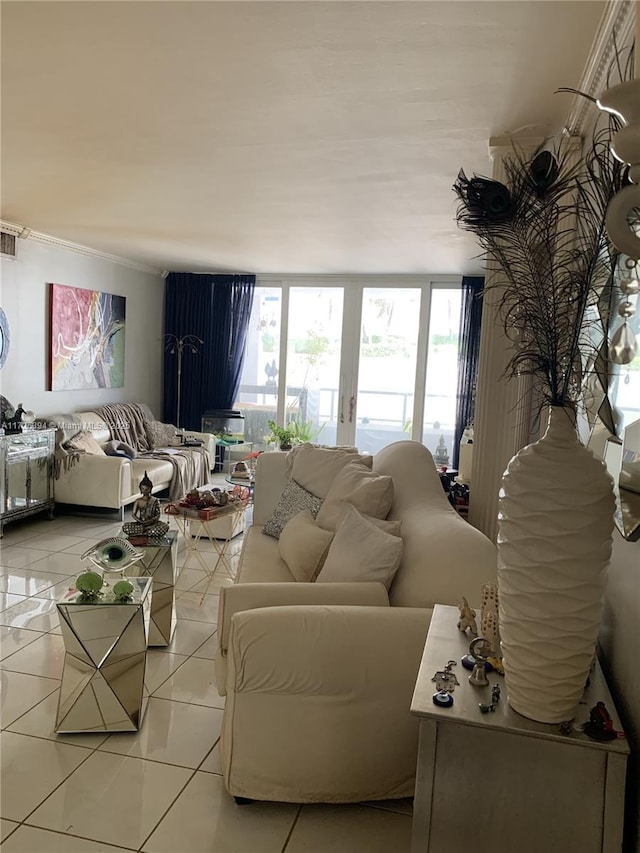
112, 481
319, 676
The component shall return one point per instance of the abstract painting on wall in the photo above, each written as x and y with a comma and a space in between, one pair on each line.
86, 339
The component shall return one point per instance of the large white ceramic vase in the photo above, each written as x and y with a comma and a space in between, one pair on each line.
556, 511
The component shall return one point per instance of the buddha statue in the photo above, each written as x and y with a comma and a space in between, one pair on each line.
146, 513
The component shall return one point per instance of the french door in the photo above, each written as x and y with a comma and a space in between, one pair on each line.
365, 361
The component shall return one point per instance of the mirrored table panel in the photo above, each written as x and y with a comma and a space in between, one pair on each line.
103, 687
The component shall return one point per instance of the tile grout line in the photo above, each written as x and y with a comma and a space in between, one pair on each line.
293, 826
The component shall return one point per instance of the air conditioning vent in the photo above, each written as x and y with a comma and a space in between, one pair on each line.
7, 244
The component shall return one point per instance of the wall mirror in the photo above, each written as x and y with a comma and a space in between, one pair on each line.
622, 458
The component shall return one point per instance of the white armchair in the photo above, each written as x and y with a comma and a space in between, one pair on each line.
319, 677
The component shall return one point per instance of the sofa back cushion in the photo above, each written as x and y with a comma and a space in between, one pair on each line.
368, 491
303, 546
95, 425
315, 468
361, 551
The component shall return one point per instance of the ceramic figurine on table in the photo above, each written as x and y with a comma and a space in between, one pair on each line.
600, 724
467, 618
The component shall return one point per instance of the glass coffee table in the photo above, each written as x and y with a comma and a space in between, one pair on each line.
219, 531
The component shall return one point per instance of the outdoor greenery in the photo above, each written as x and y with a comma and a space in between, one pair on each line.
294, 433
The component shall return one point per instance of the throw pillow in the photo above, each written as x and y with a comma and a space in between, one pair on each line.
303, 546
361, 551
84, 442
159, 434
315, 468
355, 484
292, 501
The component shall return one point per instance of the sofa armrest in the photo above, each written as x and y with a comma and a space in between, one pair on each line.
270, 480
249, 596
103, 481
209, 441
318, 703
333, 648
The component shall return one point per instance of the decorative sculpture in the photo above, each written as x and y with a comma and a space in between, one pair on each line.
146, 513
479, 649
467, 618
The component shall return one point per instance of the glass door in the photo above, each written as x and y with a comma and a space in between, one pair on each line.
314, 349
382, 412
364, 362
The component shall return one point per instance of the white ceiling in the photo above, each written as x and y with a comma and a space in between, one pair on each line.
315, 137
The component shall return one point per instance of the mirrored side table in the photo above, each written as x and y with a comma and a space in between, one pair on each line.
103, 688
26, 474
159, 563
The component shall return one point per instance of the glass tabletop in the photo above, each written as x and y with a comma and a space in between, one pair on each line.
141, 587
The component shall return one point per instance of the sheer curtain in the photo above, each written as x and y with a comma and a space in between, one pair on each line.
468, 354
216, 309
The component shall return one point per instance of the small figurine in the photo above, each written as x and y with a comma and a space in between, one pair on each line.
495, 693
600, 725
467, 618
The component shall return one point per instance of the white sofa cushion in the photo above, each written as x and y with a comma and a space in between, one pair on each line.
315, 468
355, 484
303, 546
361, 551
293, 500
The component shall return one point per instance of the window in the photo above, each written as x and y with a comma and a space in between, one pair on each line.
367, 360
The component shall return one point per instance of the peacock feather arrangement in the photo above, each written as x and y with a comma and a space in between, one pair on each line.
544, 229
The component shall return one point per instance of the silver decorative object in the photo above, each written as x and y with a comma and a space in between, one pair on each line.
624, 343
480, 650
445, 680
113, 555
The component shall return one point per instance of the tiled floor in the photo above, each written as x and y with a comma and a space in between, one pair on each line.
158, 790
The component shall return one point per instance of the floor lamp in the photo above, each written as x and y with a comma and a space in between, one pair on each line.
174, 344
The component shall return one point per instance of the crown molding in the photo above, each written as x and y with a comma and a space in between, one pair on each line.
24, 233
614, 31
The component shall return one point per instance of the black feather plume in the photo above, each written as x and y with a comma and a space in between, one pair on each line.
545, 229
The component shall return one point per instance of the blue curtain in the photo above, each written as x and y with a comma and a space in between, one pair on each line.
468, 354
216, 309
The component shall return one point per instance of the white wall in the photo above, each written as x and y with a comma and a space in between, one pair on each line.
24, 299
620, 647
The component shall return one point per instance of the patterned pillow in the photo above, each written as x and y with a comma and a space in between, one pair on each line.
159, 434
292, 501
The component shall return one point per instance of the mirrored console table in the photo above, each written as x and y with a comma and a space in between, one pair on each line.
26, 474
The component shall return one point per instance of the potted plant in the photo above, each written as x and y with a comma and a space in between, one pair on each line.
304, 431
282, 435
